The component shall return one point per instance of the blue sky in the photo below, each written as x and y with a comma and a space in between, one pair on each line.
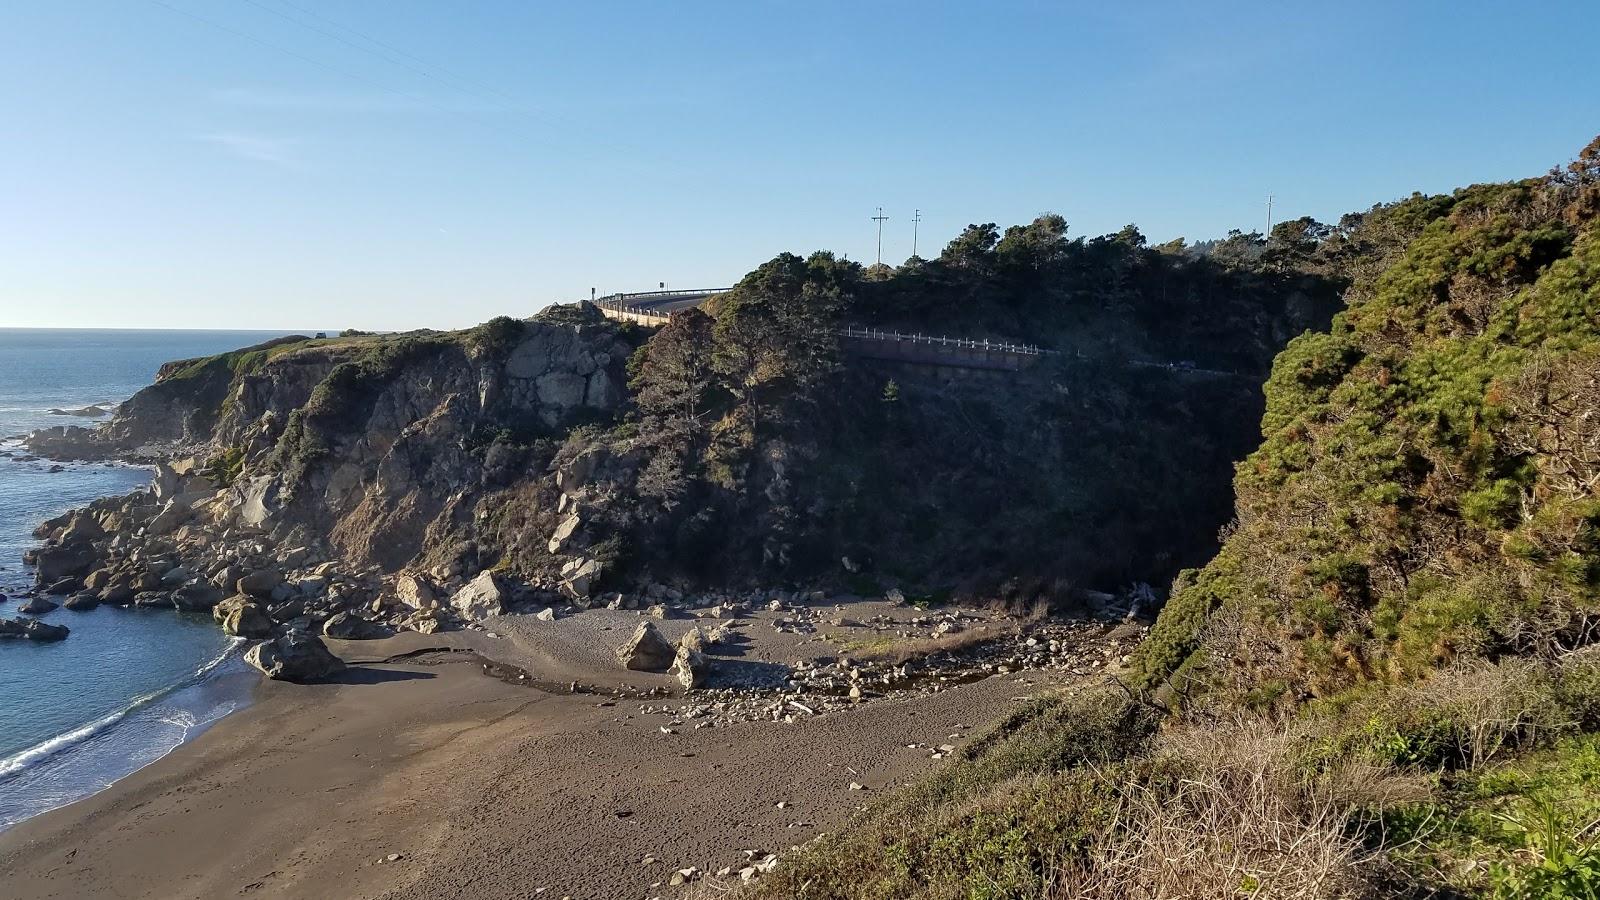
398, 163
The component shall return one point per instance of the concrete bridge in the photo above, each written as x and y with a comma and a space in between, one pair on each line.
653, 308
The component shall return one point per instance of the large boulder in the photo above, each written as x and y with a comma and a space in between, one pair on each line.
480, 598
564, 532
690, 667
415, 592
32, 629
296, 656
579, 577
82, 602
259, 583
56, 562
241, 616
172, 515
197, 597
647, 650
347, 626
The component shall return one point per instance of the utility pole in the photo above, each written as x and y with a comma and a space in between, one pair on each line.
880, 218
916, 220
1269, 214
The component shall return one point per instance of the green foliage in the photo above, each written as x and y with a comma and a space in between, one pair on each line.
224, 468
1425, 487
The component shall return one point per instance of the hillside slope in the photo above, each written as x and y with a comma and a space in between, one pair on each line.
1384, 684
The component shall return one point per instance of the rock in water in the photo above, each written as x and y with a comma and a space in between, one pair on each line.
690, 667
32, 629
480, 598
296, 656
647, 650
82, 602
242, 617
38, 606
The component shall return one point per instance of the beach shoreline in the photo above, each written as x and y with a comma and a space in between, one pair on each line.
476, 786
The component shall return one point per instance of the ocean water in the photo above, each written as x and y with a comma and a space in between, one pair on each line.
127, 685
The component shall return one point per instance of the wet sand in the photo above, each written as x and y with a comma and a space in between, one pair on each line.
482, 788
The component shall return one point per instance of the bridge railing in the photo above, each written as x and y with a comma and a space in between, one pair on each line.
941, 341
614, 300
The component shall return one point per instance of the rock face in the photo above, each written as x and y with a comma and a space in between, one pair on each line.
32, 629
296, 656
480, 598
242, 617
647, 650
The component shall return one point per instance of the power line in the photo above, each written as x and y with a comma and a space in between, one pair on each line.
916, 220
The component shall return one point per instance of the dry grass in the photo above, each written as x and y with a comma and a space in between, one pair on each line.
1237, 822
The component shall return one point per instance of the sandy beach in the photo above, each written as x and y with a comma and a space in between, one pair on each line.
483, 787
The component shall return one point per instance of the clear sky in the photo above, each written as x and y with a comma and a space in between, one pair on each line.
391, 164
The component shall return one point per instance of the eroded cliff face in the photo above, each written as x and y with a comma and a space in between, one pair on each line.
373, 447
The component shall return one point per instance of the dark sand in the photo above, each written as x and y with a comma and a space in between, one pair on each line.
485, 789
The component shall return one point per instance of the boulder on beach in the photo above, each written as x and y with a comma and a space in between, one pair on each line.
690, 667
347, 626
647, 650
32, 629
296, 657
480, 598
415, 592
242, 617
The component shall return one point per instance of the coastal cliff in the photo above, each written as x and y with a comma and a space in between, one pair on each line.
363, 483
